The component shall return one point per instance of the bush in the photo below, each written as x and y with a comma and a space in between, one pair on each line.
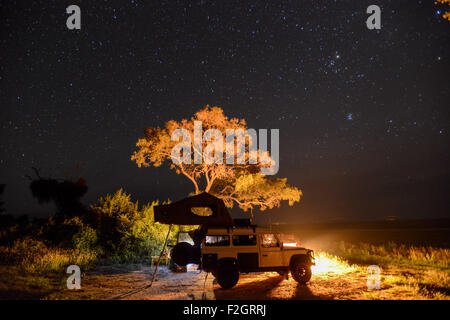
126, 232
35, 256
85, 239
115, 229
61, 233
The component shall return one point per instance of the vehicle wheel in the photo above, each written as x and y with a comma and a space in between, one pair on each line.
301, 271
182, 253
227, 275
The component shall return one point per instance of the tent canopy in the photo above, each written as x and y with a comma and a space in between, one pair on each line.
192, 210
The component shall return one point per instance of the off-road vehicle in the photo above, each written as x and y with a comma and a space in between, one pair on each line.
226, 252
227, 247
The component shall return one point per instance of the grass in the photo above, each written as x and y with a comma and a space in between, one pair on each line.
394, 254
34, 256
30, 269
429, 284
422, 270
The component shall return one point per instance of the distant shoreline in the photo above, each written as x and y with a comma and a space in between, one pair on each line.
437, 224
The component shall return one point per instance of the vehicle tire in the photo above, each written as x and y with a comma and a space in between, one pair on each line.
227, 275
301, 271
182, 253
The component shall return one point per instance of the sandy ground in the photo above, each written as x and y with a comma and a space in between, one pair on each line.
130, 281
121, 282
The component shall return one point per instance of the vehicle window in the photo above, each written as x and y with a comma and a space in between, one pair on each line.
244, 240
202, 211
217, 241
269, 241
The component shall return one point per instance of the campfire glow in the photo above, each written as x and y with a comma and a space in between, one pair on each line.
326, 263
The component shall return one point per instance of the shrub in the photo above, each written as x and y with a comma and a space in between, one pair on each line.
35, 256
85, 239
114, 229
125, 231
61, 233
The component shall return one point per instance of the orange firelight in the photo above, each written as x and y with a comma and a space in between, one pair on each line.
289, 244
327, 264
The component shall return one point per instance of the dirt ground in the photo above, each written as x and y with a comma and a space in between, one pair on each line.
125, 282
121, 282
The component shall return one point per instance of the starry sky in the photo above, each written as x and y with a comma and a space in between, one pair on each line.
363, 114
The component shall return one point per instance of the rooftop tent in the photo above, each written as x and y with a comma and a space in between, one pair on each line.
201, 209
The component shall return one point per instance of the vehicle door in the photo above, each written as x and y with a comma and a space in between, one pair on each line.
270, 250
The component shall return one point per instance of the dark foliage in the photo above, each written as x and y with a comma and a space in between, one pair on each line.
65, 194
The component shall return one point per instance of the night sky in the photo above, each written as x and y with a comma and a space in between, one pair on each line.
363, 114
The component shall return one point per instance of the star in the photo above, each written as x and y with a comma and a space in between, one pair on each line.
325, 83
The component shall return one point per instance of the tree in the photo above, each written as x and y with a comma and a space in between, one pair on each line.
242, 184
66, 194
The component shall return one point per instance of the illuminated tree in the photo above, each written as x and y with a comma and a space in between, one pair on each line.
446, 14
242, 184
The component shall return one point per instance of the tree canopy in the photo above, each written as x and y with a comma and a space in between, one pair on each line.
66, 194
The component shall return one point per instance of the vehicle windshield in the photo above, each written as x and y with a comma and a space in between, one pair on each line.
269, 240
